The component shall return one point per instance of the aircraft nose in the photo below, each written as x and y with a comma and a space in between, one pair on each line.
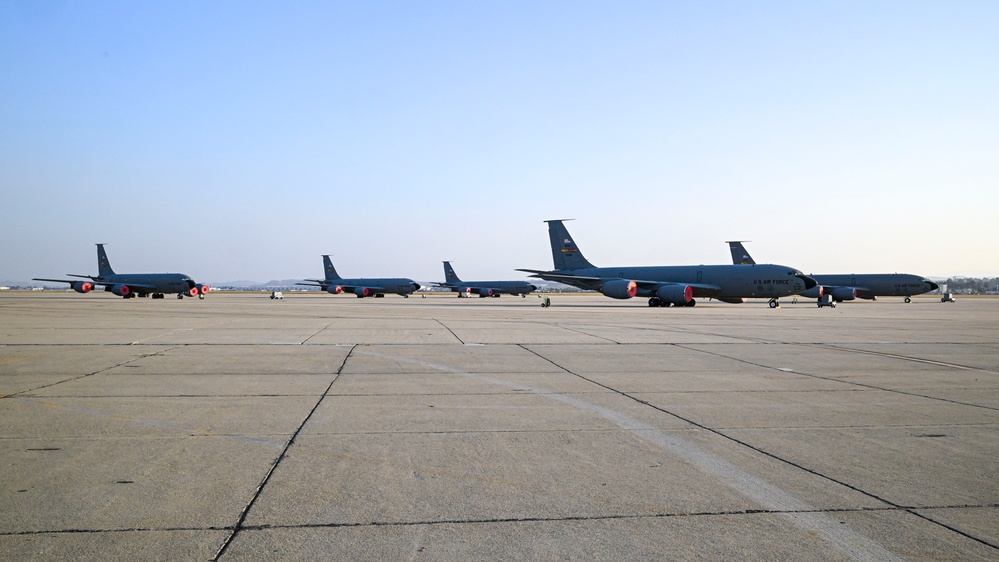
933, 286
416, 286
809, 282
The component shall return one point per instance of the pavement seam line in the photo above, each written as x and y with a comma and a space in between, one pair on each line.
894, 356
76, 378
284, 452
841, 381
910, 510
765, 494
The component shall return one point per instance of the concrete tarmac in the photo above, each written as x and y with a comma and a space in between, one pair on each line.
325, 427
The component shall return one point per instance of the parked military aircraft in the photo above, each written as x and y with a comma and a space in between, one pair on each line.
129, 285
483, 288
334, 284
846, 287
669, 285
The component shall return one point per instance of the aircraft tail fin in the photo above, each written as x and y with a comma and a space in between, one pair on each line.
565, 252
103, 265
331, 274
449, 275
739, 254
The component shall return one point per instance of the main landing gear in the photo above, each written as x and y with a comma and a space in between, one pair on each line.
773, 303
908, 300
656, 301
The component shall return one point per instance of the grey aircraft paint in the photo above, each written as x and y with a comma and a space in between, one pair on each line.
846, 287
669, 285
362, 287
128, 285
483, 288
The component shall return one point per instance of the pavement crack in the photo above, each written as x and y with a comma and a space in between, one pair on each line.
318, 332
450, 330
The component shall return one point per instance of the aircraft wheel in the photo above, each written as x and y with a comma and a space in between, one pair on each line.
692, 302
180, 296
774, 304
907, 300
654, 301
202, 297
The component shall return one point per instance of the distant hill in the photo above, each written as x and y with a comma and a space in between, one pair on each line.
248, 284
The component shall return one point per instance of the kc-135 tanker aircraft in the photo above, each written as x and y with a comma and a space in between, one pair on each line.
675, 285
846, 287
128, 285
483, 288
376, 287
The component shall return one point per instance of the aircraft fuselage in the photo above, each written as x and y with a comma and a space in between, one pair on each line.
870, 285
147, 283
732, 281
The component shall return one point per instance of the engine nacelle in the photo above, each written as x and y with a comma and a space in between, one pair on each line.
361, 292
81, 286
678, 295
844, 293
334, 289
814, 293
203, 289
485, 292
619, 289
121, 290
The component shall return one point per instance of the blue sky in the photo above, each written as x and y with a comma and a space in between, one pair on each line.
241, 140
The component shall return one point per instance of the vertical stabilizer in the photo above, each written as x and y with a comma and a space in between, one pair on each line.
331, 274
449, 275
565, 252
739, 254
103, 265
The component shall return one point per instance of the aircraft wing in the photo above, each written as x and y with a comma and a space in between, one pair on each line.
315, 283
55, 280
102, 283
580, 281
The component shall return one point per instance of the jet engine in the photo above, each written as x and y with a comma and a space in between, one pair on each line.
121, 290
483, 293
619, 289
203, 289
334, 290
677, 295
814, 293
840, 294
361, 292
82, 286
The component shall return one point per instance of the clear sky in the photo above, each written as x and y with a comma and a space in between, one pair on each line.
241, 140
